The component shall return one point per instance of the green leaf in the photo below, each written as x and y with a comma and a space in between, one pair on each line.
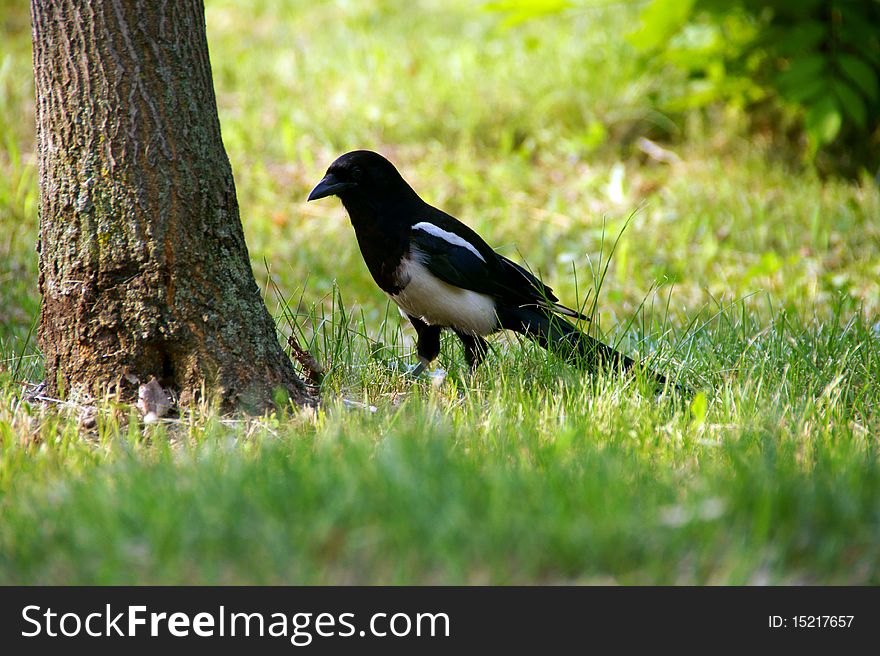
799, 38
699, 408
808, 90
823, 120
861, 73
698, 93
660, 20
801, 71
594, 135
521, 11
769, 264
859, 33
851, 102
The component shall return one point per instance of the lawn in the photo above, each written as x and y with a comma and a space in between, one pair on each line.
738, 271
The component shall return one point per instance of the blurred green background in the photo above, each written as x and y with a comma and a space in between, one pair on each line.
528, 127
753, 242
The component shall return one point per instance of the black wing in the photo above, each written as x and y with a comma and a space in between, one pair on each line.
454, 263
460, 257
542, 295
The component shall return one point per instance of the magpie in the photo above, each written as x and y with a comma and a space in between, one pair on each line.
442, 275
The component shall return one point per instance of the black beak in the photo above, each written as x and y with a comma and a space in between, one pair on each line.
329, 186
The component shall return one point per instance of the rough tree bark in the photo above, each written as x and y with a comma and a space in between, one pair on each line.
143, 266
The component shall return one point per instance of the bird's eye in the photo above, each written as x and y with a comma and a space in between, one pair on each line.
356, 173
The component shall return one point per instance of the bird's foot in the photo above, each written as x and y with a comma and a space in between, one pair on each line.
417, 369
436, 376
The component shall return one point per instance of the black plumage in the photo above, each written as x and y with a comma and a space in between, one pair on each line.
444, 275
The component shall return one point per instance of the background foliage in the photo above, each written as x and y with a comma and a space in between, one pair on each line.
816, 61
807, 67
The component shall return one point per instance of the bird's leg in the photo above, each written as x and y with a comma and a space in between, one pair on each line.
416, 370
427, 346
475, 349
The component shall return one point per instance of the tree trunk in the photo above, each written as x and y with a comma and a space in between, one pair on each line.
144, 271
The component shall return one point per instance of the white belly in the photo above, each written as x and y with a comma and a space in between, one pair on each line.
437, 303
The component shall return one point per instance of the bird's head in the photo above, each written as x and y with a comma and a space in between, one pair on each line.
362, 177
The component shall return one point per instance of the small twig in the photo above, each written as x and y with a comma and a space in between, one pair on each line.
312, 369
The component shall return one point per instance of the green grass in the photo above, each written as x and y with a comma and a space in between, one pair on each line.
753, 282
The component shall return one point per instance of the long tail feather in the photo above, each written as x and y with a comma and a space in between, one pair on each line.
554, 333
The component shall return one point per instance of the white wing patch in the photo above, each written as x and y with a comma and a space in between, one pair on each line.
447, 236
438, 303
